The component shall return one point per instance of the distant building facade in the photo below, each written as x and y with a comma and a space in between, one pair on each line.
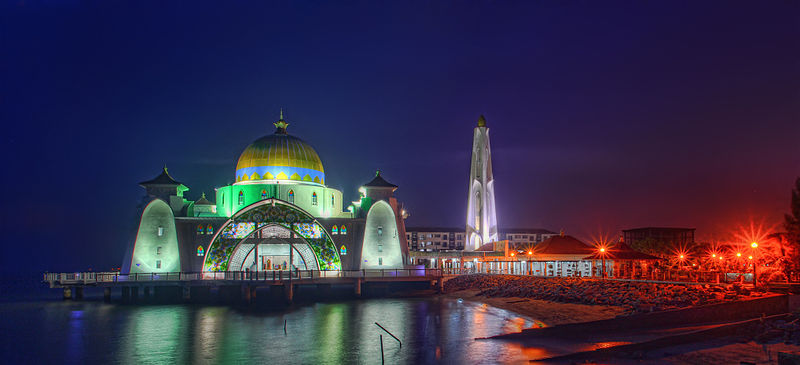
435, 239
681, 237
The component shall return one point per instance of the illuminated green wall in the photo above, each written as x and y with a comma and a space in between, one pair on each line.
381, 248
156, 241
227, 198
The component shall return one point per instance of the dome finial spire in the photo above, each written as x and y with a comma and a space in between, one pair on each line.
281, 125
481, 121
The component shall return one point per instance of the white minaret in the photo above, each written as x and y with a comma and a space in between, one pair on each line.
481, 217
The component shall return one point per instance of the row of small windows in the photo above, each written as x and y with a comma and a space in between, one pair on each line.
208, 229
337, 230
290, 198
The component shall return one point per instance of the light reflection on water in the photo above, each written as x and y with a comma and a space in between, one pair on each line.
432, 330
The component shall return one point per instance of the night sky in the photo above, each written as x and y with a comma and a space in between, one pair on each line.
603, 115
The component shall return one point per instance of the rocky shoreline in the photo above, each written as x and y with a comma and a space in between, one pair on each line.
631, 297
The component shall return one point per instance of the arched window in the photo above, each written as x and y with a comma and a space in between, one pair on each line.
314, 199
200, 229
209, 229
343, 251
333, 201
343, 230
241, 197
334, 230
200, 251
291, 197
263, 194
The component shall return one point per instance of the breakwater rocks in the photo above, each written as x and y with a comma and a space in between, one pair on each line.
635, 297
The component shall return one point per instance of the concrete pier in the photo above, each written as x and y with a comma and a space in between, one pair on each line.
358, 287
288, 289
134, 294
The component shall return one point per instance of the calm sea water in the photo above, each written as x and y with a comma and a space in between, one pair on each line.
434, 330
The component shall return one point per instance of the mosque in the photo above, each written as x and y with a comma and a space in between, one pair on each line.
278, 215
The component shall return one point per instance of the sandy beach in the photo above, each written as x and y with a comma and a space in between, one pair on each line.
547, 312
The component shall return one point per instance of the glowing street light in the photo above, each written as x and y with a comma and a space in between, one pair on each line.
749, 257
738, 254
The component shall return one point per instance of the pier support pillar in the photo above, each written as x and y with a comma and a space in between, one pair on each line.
126, 294
146, 293
246, 294
67, 293
107, 294
78, 293
253, 292
134, 294
440, 285
358, 287
187, 293
288, 290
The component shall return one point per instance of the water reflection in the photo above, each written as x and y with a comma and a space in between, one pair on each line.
432, 330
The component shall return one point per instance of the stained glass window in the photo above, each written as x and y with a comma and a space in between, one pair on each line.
200, 229
308, 230
209, 229
335, 230
241, 197
343, 251
244, 229
238, 230
291, 197
200, 251
343, 230
263, 194
314, 199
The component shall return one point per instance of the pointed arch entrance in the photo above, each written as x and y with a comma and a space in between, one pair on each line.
272, 230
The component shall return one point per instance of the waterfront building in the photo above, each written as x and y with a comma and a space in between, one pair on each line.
433, 239
279, 214
481, 215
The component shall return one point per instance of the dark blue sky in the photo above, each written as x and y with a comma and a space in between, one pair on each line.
603, 115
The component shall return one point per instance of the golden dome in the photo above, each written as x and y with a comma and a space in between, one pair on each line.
280, 157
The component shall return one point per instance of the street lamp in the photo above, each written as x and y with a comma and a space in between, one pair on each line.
754, 245
603, 257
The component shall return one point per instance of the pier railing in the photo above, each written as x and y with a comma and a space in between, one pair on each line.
273, 275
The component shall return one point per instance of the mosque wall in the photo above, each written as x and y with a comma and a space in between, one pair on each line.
328, 202
381, 247
156, 246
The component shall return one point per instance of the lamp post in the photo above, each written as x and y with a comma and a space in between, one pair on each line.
603, 258
754, 245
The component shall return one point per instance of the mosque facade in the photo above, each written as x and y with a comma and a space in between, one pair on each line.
279, 214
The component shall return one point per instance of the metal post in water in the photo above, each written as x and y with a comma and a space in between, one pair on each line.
284, 326
381, 336
390, 334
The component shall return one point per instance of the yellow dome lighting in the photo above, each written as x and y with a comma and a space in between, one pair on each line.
280, 156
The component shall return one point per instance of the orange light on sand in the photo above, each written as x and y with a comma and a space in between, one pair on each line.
749, 257
681, 257
720, 258
530, 252
602, 249
754, 245
738, 254
713, 255
512, 254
